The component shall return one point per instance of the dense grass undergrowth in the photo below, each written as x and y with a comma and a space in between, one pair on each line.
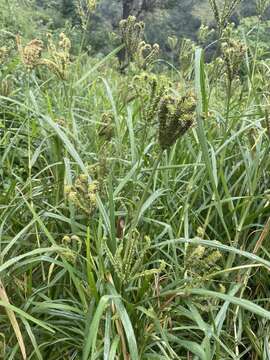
134, 204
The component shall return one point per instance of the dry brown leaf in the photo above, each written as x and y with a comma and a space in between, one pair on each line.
13, 320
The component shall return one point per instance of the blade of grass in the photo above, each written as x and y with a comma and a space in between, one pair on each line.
13, 320
202, 108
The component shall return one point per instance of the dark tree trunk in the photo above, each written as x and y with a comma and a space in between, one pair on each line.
127, 11
127, 8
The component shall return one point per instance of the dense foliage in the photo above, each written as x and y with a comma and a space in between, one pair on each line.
134, 194
181, 18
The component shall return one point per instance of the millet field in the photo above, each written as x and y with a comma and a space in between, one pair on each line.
135, 192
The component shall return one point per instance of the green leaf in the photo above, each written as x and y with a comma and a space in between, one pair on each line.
245, 304
91, 337
28, 317
122, 313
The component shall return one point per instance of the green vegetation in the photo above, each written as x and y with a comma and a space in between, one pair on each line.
163, 18
135, 190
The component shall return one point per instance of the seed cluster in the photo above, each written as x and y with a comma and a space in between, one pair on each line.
146, 54
186, 55
58, 55
72, 245
132, 34
129, 256
233, 52
200, 262
106, 130
31, 53
3, 54
6, 87
150, 88
83, 9
222, 15
83, 194
137, 50
175, 116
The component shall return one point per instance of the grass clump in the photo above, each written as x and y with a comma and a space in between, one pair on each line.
134, 205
